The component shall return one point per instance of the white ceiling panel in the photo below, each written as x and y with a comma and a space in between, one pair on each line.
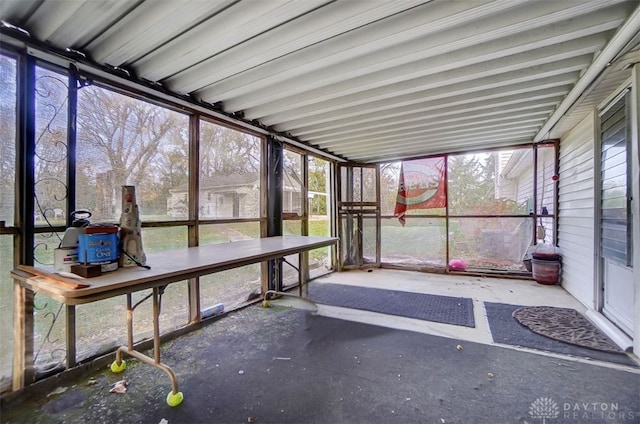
148, 27
450, 48
226, 30
403, 92
516, 83
15, 11
324, 24
364, 80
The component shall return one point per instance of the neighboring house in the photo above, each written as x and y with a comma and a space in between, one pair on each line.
515, 181
231, 196
221, 196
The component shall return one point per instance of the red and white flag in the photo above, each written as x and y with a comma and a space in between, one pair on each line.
421, 186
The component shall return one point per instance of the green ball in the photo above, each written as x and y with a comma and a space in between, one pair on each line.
115, 368
174, 399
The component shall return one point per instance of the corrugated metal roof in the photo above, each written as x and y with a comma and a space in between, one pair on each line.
367, 80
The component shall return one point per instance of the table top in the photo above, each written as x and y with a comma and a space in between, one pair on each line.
174, 265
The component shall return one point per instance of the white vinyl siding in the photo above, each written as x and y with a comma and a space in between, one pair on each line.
576, 211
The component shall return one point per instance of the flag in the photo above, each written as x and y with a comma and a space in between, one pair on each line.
421, 186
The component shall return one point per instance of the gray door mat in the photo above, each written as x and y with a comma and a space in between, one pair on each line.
507, 330
428, 307
566, 325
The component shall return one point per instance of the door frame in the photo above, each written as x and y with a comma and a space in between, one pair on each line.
356, 211
632, 169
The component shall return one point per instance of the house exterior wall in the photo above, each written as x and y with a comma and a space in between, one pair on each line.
505, 187
218, 204
524, 190
576, 233
521, 180
635, 178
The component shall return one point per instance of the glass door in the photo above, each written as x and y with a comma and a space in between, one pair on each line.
615, 235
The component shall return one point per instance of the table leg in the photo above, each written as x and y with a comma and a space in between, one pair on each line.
175, 397
277, 274
156, 325
193, 286
303, 273
119, 365
71, 335
129, 322
300, 291
278, 291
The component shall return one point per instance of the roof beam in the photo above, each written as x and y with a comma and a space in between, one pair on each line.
458, 121
328, 22
149, 26
495, 38
392, 32
515, 82
431, 132
219, 33
417, 147
393, 115
282, 111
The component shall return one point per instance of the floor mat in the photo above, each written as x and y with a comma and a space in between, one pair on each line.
444, 309
566, 325
507, 330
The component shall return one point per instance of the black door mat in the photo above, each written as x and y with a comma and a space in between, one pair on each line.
507, 330
428, 307
566, 325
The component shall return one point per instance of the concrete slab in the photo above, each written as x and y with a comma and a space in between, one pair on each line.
480, 289
335, 365
282, 365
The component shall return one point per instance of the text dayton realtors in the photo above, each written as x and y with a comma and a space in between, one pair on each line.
597, 410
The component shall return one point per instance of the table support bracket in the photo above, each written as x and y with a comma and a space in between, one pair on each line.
175, 397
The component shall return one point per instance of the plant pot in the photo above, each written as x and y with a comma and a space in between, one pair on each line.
545, 271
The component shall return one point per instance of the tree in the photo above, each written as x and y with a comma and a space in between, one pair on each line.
472, 187
124, 131
7, 136
51, 150
226, 151
173, 166
469, 183
389, 174
125, 141
317, 176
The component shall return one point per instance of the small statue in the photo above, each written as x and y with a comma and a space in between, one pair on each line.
131, 230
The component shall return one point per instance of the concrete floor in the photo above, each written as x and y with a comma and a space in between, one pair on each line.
283, 365
480, 289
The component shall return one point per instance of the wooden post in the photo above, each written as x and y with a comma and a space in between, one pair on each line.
193, 284
23, 370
